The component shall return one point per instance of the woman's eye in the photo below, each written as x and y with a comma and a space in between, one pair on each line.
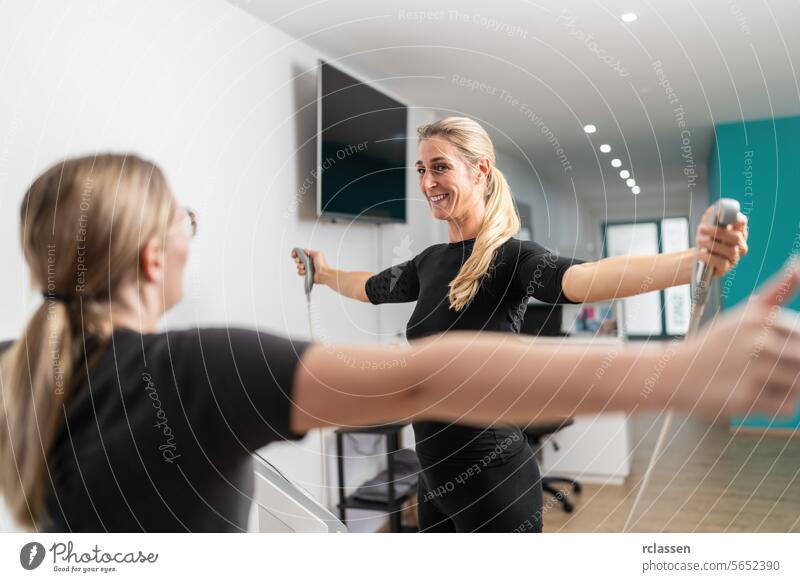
439, 169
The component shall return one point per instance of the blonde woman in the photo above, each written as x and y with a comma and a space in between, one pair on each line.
107, 424
480, 280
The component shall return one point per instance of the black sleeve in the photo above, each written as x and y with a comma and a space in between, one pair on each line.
540, 272
397, 284
249, 378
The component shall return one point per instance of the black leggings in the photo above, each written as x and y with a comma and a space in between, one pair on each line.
504, 495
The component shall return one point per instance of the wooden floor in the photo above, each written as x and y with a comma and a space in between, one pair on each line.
707, 479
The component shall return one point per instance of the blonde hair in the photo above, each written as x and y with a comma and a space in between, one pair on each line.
500, 222
83, 223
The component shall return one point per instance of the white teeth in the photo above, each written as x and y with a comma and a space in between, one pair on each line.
439, 197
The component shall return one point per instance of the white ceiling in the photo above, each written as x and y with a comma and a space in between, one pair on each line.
572, 63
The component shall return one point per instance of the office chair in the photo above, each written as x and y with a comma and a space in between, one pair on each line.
536, 433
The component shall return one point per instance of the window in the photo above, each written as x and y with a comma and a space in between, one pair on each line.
655, 313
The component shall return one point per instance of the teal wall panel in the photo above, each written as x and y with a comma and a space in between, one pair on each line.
758, 163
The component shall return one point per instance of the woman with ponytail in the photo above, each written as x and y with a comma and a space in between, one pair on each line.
486, 479
76, 263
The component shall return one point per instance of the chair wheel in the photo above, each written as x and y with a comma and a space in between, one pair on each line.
577, 488
568, 507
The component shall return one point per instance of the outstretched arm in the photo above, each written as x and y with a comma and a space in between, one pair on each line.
617, 277
348, 283
748, 359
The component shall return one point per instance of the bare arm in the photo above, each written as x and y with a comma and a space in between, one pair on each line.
480, 378
747, 359
616, 277
348, 283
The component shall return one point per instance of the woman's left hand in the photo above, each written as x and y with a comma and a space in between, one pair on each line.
719, 246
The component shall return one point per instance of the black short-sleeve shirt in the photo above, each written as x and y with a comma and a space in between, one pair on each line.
520, 269
159, 438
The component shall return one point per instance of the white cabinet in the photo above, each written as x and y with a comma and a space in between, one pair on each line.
596, 449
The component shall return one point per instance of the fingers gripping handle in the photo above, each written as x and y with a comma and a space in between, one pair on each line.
725, 213
309, 267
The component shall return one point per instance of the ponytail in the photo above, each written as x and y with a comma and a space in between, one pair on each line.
35, 384
67, 218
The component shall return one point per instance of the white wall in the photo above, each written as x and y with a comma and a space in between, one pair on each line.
223, 102
561, 221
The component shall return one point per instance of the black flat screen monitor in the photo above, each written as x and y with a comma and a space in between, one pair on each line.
361, 150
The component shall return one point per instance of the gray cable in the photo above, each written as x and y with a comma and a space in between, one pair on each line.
726, 212
323, 467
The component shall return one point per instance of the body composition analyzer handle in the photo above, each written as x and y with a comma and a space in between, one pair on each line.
309, 267
725, 213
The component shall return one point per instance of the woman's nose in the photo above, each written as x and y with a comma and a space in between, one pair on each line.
428, 182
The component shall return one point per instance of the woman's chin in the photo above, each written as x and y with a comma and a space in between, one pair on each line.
440, 213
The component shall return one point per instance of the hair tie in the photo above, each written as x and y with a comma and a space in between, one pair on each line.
55, 296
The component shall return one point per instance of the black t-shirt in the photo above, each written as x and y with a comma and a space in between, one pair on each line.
520, 269
159, 438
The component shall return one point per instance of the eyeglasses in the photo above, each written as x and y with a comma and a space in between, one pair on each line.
190, 222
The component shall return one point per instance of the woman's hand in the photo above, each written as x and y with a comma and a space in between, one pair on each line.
747, 360
321, 266
720, 246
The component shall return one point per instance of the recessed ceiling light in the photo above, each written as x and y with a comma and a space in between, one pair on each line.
589, 128
635, 189
616, 163
630, 182
629, 17
624, 174
605, 148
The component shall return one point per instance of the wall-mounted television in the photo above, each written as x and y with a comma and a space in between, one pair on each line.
361, 150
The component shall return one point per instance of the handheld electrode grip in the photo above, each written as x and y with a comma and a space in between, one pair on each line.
309, 266
725, 212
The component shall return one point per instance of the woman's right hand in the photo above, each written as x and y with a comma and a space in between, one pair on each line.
320, 265
747, 360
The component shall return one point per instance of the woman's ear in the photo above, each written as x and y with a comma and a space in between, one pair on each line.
484, 167
151, 261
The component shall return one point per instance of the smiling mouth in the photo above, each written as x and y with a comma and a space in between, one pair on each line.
439, 198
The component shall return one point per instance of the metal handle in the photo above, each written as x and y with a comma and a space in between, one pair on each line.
725, 213
309, 266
